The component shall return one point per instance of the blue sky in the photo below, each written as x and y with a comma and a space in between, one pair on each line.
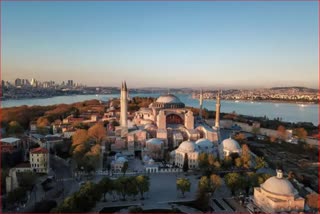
168, 44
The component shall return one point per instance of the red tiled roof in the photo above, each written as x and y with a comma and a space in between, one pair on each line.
39, 150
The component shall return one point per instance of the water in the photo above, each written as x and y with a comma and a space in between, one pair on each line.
287, 111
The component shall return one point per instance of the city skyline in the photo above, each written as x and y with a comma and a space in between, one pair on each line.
163, 44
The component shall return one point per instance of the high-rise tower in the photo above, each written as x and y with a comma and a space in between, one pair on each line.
200, 102
124, 108
217, 124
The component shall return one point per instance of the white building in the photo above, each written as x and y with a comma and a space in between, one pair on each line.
227, 147
39, 160
277, 194
189, 149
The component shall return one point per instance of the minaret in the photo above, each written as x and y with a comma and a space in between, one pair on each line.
218, 111
124, 106
200, 102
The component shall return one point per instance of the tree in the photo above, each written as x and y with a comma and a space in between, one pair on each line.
215, 182
260, 162
245, 156
203, 160
97, 132
238, 162
255, 130
282, 132
124, 168
204, 184
183, 184
232, 181
16, 195
185, 166
132, 187
211, 160
42, 122
26, 179
14, 128
143, 184
80, 137
301, 133
123, 186
105, 186
312, 201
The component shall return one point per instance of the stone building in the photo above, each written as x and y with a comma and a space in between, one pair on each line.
277, 194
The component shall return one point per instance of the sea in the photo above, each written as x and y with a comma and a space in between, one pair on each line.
289, 112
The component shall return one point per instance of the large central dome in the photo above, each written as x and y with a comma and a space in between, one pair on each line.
279, 186
168, 101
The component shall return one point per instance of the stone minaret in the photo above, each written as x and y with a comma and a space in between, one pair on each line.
217, 124
124, 106
200, 102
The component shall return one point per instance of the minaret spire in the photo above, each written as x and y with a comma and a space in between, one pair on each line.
218, 105
200, 103
124, 109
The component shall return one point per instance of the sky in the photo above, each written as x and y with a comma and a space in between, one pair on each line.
162, 44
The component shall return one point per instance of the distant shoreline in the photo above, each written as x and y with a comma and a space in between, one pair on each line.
270, 101
231, 100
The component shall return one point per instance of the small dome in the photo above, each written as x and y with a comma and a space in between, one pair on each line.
121, 160
154, 141
279, 186
203, 142
230, 145
151, 161
187, 146
170, 98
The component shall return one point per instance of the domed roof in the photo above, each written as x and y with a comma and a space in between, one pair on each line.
279, 186
187, 146
230, 145
169, 98
203, 142
121, 159
154, 141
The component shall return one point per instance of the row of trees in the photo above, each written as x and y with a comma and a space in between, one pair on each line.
244, 182
85, 199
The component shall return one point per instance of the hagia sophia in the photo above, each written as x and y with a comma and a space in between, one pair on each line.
167, 126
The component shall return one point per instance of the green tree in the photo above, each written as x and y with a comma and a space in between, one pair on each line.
132, 187
183, 184
143, 184
260, 162
105, 186
238, 162
233, 181
185, 166
123, 186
